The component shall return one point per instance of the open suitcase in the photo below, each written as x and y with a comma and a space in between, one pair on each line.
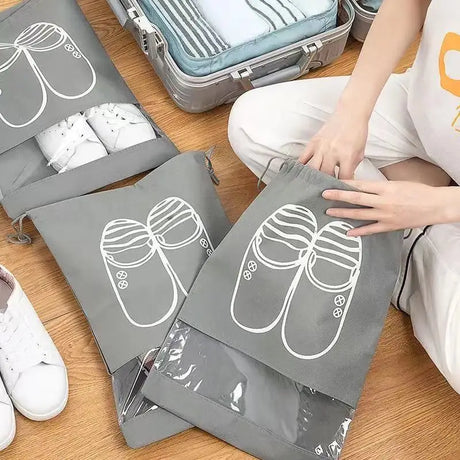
200, 93
365, 12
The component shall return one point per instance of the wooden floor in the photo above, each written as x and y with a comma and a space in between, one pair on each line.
407, 411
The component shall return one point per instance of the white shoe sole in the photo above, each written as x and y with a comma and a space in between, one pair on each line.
47, 416
6, 443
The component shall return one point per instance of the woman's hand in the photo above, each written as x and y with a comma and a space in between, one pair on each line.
340, 142
395, 205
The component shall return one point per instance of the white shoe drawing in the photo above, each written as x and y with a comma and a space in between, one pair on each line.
279, 244
30, 84
33, 57
318, 267
139, 259
327, 280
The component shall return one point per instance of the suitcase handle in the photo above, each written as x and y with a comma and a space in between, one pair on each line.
303, 66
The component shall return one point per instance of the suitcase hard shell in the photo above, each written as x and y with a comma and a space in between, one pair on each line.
199, 94
362, 23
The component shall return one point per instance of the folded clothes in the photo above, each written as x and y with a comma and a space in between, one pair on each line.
312, 8
370, 5
237, 24
197, 36
279, 23
278, 13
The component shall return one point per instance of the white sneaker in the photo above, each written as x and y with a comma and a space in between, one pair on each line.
7, 420
70, 143
31, 367
119, 126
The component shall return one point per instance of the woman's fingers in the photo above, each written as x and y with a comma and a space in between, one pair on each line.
370, 229
354, 213
375, 187
357, 198
328, 166
315, 161
307, 154
346, 170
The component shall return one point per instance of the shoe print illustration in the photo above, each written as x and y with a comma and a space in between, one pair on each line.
316, 271
142, 260
42, 58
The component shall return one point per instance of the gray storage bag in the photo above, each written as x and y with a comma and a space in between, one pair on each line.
130, 256
52, 66
271, 347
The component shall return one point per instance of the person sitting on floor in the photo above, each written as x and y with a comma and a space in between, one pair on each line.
376, 126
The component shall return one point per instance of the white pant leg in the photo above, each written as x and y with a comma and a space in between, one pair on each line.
278, 121
430, 293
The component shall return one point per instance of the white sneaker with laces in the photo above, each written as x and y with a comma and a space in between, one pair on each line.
31, 367
70, 143
119, 126
7, 420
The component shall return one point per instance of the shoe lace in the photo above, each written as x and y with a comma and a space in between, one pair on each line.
116, 117
72, 140
19, 349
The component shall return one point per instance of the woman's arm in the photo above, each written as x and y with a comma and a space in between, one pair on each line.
394, 29
342, 139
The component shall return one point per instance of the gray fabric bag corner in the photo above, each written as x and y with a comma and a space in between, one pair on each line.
130, 256
52, 65
272, 346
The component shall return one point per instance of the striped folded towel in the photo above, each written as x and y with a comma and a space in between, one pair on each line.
199, 39
278, 13
237, 23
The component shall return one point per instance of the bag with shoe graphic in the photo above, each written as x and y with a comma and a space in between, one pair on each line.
130, 256
272, 346
68, 122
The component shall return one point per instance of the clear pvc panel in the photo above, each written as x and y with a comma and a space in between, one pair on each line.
127, 383
295, 413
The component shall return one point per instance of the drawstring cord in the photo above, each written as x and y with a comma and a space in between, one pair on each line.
208, 162
19, 237
259, 182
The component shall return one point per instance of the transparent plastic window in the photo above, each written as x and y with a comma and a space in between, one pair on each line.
127, 383
79, 139
295, 413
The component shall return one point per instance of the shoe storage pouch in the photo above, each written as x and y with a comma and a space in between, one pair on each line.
272, 345
52, 66
130, 256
